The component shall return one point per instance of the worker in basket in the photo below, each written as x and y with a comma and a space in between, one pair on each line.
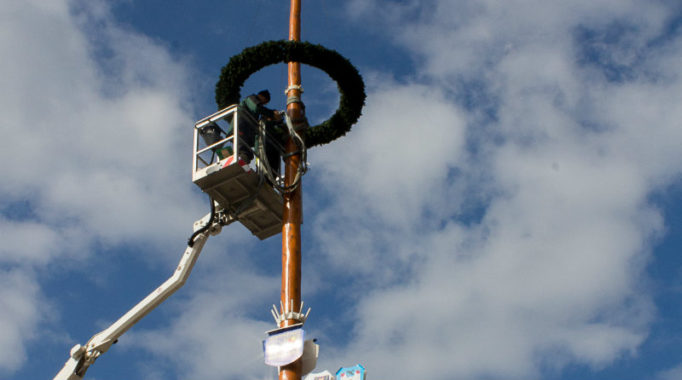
254, 104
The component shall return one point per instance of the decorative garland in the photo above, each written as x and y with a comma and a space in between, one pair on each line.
348, 80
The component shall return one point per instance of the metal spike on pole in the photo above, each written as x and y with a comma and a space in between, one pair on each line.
292, 212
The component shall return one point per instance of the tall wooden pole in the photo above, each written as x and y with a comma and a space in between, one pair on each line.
292, 213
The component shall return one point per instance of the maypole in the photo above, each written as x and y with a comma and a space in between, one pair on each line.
284, 347
293, 208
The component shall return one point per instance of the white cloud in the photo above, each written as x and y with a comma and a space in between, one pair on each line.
215, 333
674, 373
95, 149
385, 169
549, 270
467, 37
27, 243
21, 309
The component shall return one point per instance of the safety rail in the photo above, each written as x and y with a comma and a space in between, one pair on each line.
227, 119
216, 136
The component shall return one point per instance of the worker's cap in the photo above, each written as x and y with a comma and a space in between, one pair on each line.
266, 94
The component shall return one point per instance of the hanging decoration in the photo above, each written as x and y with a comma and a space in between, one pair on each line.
349, 82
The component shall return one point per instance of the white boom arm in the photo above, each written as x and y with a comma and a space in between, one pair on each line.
82, 357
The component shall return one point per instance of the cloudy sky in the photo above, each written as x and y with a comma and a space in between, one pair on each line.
507, 207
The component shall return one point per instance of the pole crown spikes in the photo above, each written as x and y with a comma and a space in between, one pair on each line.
289, 315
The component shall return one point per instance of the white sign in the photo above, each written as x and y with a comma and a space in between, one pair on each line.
283, 348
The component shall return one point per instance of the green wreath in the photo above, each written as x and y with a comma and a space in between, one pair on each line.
348, 79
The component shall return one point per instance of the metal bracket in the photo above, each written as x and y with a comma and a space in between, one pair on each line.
289, 315
298, 124
222, 218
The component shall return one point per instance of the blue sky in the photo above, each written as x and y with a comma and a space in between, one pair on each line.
507, 207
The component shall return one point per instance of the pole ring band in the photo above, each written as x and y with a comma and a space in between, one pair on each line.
294, 99
293, 87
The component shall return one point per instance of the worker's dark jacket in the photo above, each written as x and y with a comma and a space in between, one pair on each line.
247, 131
252, 105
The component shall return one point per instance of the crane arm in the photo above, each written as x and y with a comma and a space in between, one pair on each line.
81, 357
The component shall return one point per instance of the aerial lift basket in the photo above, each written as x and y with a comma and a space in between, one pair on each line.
221, 169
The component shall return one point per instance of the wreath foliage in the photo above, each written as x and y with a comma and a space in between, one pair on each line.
348, 80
